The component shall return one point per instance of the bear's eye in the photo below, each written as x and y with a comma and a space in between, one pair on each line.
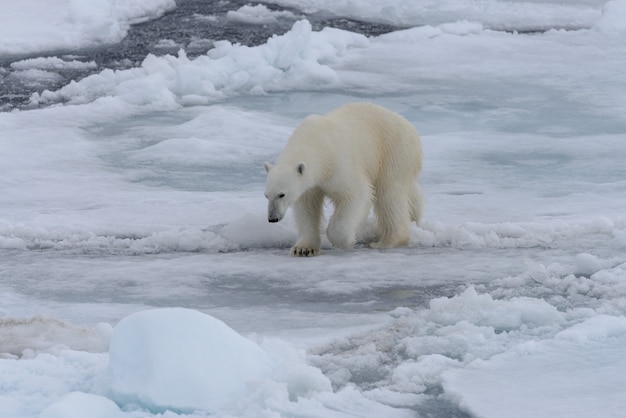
281, 195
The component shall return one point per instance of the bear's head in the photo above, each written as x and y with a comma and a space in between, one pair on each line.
284, 186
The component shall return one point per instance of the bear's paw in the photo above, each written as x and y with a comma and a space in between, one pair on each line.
378, 245
304, 251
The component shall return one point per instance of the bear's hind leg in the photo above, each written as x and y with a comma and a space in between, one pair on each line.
393, 214
308, 214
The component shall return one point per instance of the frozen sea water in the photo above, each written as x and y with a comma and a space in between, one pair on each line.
193, 25
142, 188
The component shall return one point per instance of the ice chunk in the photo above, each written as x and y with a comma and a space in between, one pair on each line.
587, 264
36, 76
461, 28
253, 231
595, 329
182, 359
483, 310
52, 63
257, 15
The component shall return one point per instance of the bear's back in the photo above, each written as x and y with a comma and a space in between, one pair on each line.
360, 135
365, 121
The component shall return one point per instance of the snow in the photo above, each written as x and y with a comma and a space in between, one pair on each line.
36, 26
140, 278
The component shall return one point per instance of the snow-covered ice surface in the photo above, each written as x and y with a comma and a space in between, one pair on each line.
532, 15
142, 188
36, 26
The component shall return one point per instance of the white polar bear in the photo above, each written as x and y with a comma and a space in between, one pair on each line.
358, 155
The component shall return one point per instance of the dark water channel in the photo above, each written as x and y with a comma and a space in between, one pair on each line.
193, 26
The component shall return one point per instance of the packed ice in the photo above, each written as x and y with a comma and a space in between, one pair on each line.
139, 276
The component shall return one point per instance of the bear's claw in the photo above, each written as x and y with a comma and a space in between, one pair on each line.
304, 252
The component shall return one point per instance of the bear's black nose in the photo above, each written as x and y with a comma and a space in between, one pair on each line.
273, 220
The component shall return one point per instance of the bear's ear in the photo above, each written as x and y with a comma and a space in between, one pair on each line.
301, 168
268, 167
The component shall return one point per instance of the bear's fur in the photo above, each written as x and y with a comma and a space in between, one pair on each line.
358, 155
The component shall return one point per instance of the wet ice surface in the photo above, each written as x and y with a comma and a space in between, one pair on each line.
147, 191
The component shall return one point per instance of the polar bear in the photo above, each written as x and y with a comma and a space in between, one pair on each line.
358, 155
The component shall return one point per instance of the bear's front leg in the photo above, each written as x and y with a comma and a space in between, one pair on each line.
349, 214
308, 214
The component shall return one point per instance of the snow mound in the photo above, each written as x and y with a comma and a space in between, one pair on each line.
251, 230
511, 235
176, 360
297, 59
182, 359
243, 233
